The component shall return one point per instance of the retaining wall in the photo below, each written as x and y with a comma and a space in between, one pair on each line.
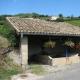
57, 61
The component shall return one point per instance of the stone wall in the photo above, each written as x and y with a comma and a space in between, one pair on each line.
57, 61
64, 61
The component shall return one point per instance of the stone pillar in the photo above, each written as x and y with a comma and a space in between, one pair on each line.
24, 51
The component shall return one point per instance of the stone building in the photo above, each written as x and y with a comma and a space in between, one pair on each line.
33, 33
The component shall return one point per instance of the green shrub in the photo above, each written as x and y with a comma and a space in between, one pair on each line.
7, 31
59, 19
8, 59
2, 22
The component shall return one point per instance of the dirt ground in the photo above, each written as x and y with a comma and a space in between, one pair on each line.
26, 76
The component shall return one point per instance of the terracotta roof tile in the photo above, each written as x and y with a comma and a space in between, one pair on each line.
41, 26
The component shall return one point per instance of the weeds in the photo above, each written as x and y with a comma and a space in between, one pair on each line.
8, 68
37, 69
8, 59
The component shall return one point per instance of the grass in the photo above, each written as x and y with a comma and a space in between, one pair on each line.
74, 22
6, 74
44, 18
8, 68
37, 69
7, 59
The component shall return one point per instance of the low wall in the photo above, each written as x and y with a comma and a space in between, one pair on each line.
64, 61
57, 61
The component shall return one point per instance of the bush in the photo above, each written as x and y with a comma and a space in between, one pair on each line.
8, 59
59, 19
4, 43
2, 22
7, 31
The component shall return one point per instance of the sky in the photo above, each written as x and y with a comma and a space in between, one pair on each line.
45, 7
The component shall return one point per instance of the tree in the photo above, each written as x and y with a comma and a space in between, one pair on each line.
72, 16
41, 16
46, 15
68, 16
78, 16
35, 15
60, 19
60, 16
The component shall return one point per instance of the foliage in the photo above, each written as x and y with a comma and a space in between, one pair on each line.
2, 22
78, 16
32, 15
50, 44
74, 22
78, 45
69, 43
8, 68
35, 15
7, 31
8, 59
60, 16
72, 16
59, 19
22, 15
3, 17
68, 16
7, 73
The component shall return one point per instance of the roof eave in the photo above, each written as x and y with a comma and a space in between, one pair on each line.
50, 34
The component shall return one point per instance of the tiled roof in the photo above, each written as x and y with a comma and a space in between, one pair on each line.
32, 26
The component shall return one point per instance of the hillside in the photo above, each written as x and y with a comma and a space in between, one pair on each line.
74, 22
32, 15
7, 39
